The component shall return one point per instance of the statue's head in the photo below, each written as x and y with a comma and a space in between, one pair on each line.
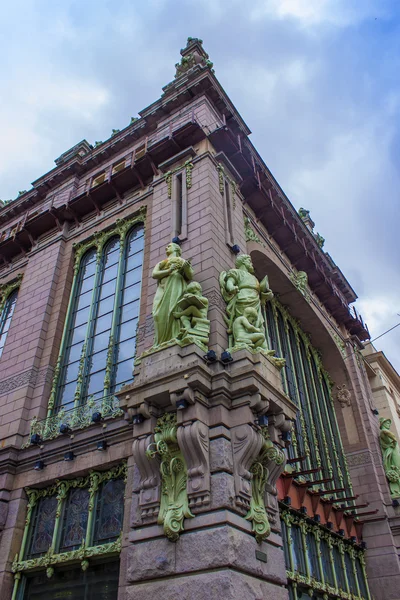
385, 423
173, 249
244, 260
251, 314
194, 288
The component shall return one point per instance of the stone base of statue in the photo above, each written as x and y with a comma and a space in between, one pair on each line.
269, 354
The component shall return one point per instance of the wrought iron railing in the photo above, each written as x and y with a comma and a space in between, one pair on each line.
76, 418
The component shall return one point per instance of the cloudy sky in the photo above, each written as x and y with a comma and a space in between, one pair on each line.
317, 81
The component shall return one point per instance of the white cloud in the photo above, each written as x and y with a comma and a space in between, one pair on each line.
310, 13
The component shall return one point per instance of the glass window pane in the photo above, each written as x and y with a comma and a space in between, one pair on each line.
124, 371
98, 582
87, 284
110, 273
75, 352
133, 276
96, 382
42, 526
84, 300
6, 316
75, 519
125, 350
130, 311
79, 334
103, 323
82, 316
71, 372
108, 289
100, 342
109, 512
131, 293
67, 393
134, 261
128, 330
105, 306
89, 269
98, 361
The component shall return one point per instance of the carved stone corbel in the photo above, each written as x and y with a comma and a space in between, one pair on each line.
193, 440
266, 469
246, 446
150, 480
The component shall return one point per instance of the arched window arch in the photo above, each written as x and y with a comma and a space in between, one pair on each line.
6, 314
99, 340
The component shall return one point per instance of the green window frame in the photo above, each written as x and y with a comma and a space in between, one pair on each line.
316, 432
99, 340
319, 561
8, 300
64, 522
6, 313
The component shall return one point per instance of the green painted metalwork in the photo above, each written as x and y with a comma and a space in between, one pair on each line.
188, 166
97, 242
174, 507
309, 387
53, 557
249, 232
302, 575
7, 288
257, 513
391, 456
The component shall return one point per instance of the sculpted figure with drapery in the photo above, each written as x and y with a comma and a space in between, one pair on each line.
391, 456
179, 309
245, 297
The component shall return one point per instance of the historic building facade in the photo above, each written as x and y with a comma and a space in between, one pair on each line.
185, 408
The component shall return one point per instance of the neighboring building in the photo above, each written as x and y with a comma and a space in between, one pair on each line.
385, 386
202, 505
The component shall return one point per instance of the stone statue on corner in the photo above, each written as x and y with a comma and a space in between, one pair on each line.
391, 456
245, 297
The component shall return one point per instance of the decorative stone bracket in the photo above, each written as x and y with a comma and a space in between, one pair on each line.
267, 467
193, 439
150, 480
174, 505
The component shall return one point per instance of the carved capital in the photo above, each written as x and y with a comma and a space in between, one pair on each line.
193, 440
150, 480
246, 445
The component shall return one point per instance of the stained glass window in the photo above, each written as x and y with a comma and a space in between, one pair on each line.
75, 519
100, 339
109, 511
6, 316
42, 526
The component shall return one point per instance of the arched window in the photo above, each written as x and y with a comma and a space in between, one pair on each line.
99, 343
5, 318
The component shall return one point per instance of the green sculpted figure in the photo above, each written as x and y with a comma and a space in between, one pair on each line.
191, 310
245, 297
245, 330
172, 276
391, 456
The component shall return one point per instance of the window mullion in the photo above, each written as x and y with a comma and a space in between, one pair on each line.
66, 329
62, 492
114, 324
85, 354
93, 489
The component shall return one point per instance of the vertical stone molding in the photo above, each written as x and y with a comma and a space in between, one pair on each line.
149, 486
246, 446
193, 439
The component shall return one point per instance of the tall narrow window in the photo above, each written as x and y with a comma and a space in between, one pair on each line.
100, 339
5, 318
228, 216
179, 212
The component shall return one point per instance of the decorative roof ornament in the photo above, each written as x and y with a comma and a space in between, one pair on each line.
192, 55
309, 223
